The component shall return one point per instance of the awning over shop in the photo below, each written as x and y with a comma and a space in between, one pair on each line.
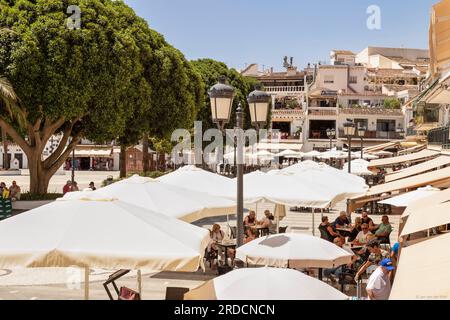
426, 218
430, 178
428, 126
381, 147
434, 164
437, 179
440, 38
415, 157
438, 198
423, 271
93, 153
414, 149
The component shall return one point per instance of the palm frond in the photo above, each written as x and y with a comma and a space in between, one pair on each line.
7, 92
11, 102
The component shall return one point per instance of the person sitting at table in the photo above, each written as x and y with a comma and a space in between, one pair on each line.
341, 221
366, 219
336, 272
356, 229
250, 220
5, 191
384, 230
216, 235
268, 222
15, 191
363, 236
373, 255
252, 234
326, 230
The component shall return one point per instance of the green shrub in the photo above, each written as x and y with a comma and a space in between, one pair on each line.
40, 197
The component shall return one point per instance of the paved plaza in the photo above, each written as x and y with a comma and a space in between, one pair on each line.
83, 178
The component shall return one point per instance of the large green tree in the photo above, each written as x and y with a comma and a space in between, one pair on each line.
175, 98
77, 82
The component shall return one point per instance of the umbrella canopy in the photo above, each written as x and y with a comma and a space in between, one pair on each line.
285, 190
293, 250
290, 154
174, 201
265, 284
423, 271
342, 184
406, 199
359, 167
426, 218
104, 233
312, 154
335, 154
196, 179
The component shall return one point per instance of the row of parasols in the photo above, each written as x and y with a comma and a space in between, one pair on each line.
142, 224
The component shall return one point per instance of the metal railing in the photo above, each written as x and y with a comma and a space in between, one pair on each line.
388, 135
440, 137
286, 89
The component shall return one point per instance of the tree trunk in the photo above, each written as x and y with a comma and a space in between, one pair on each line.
5, 149
39, 177
145, 155
123, 161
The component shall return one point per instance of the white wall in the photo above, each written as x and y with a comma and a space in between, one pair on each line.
340, 76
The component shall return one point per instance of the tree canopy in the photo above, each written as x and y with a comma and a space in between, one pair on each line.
111, 74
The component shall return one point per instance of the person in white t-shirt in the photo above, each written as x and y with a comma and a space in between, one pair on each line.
379, 284
363, 236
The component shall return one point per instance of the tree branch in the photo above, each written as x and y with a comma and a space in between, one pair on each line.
17, 138
36, 134
60, 161
50, 129
62, 145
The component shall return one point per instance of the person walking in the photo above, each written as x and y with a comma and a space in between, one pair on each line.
379, 284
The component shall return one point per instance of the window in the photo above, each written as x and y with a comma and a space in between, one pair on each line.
353, 79
329, 79
362, 123
431, 114
386, 125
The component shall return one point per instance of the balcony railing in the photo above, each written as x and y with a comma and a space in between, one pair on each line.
440, 137
318, 135
285, 89
388, 135
288, 113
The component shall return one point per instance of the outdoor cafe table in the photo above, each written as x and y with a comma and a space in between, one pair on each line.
355, 248
226, 245
260, 229
345, 232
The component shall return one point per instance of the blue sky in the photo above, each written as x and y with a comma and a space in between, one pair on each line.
264, 31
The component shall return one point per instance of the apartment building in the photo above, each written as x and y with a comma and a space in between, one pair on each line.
351, 87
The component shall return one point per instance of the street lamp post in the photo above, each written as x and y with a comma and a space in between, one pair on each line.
221, 96
362, 134
349, 131
331, 133
73, 166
